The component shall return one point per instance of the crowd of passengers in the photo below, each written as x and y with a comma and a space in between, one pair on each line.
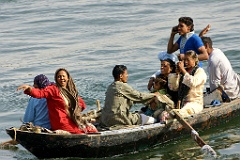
179, 84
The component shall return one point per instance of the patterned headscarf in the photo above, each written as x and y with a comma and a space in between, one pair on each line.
42, 81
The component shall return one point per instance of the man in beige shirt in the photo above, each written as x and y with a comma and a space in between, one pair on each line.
119, 99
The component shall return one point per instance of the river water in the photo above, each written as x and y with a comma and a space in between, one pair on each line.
89, 38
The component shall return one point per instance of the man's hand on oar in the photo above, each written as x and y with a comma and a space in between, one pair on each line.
204, 147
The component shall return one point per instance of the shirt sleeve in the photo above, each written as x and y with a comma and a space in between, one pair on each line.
29, 115
134, 95
81, 103
215, 76
198, 42
48, 92
156, 74
178, 41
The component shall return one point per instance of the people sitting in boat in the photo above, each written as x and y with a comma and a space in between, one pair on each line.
220, 70
37, 110
188, 40
63, 104
161, 56
193, 78
167, 67
159, 103
119, 99
185, 29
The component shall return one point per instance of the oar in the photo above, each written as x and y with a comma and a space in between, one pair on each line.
10, 142
204, 147
98, 105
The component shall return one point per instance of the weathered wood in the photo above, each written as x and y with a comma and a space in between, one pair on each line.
116, 142
197, 138
194, 134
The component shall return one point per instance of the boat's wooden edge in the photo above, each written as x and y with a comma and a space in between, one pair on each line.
207, 113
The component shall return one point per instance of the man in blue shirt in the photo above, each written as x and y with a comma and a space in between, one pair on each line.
188, 40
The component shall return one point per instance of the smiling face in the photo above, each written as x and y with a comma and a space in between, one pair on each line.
185, 25
62, 78
189, 61
183, 28
165, 68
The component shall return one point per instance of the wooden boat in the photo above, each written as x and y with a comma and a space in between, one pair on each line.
122, 141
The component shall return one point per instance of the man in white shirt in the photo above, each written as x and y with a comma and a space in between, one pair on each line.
220, 71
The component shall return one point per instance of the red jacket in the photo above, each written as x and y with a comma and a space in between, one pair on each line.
81, 103
56, 108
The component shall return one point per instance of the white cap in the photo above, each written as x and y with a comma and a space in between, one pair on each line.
164, 55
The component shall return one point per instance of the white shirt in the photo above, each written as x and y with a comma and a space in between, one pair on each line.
196, 84
221, 73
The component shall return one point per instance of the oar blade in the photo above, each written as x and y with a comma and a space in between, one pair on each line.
206, 149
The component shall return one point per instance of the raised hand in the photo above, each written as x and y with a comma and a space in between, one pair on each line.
175, 30
205, 30
24, 87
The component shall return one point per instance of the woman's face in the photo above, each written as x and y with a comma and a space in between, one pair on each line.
165, 68
183, 28
124, 76
189, 61
62, 78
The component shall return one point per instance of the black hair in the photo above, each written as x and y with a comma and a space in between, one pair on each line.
207, 40
172, 64
71, 87
161, 80
188, 21
117, 70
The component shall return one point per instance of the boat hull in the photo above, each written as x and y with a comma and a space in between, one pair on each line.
117, 142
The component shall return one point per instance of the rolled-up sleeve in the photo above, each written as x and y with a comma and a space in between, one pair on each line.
194, 80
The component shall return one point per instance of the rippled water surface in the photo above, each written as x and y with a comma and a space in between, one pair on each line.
89, 37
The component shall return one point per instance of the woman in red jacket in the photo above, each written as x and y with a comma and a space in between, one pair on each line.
63, 102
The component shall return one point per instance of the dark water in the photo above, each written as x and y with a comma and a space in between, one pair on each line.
89, 37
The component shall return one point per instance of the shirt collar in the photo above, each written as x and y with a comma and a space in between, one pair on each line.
188, 35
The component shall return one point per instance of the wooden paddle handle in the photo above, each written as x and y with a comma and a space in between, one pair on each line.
178, 104
98, 105
204, 147
196, 138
